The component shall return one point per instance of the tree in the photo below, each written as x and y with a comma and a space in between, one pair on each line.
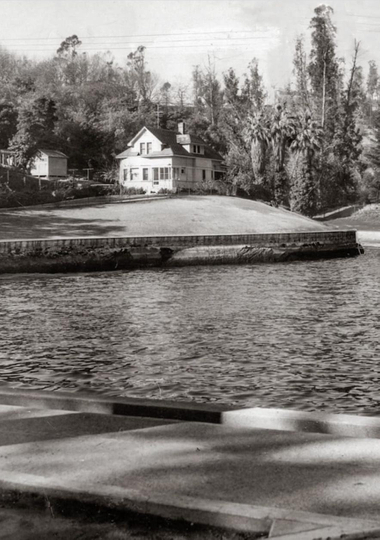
231, 88
68, 47
68, 61
35, 128
253, 91
346, 148
283, 131
8, 122
301, 168
231, 124
163, 104
197, 80
258, 136
374, 152
323, 68
372, 89
181, 96
300, 71
143, 81
207, 93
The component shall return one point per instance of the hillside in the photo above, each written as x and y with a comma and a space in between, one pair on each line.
364, 219
172, 216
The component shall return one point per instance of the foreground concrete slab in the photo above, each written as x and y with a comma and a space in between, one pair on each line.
265, 522
286, 482
273, 483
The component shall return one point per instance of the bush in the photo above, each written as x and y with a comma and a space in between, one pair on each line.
10, 199
122, 190
108, 175
30, 197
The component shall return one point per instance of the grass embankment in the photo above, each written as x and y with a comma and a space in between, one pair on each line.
364, 219
193, 215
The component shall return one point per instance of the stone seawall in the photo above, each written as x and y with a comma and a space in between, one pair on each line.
90, 254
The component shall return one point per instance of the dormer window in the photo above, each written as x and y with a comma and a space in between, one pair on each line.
194, 149
142, 148
149, 148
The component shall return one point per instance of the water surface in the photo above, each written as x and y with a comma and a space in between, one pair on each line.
302, 335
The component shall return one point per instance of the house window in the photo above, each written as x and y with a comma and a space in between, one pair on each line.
145, 174
142, 148
149, 148
125, 175
134, 174
164, 173
194, 149
182, 171
199, 149
203, 174
175, 172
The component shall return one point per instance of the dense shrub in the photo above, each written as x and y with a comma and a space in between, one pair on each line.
122, 190
30, 197
11, 199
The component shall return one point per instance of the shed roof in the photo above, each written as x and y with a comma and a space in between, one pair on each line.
52, 153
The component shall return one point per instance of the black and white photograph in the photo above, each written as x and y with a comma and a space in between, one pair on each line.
189, 269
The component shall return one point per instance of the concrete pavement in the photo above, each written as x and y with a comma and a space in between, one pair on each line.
285, 484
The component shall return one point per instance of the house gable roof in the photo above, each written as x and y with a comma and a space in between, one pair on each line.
127, 153
169, 139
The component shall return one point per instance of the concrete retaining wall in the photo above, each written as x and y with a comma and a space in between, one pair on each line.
89, 253
344, 425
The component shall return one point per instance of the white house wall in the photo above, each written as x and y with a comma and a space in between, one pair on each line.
147, 137
40, 167
184, 172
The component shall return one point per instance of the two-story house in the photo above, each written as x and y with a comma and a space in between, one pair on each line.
161, 159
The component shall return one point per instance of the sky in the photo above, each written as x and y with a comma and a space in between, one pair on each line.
179, 34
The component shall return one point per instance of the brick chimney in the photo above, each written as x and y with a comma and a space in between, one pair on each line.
182, 127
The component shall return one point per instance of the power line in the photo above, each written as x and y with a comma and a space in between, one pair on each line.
191, 42
110, 49
138, 35
223, 43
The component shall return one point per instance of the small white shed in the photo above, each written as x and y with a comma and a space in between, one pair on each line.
49, 163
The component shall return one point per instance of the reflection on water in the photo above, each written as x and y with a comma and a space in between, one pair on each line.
302, 335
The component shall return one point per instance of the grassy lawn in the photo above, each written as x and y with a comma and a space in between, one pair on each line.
175, 216
365, 219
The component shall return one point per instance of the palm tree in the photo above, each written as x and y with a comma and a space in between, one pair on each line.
283, 131
257, 135
304, 147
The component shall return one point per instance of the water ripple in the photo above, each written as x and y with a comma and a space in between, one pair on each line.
300, 335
